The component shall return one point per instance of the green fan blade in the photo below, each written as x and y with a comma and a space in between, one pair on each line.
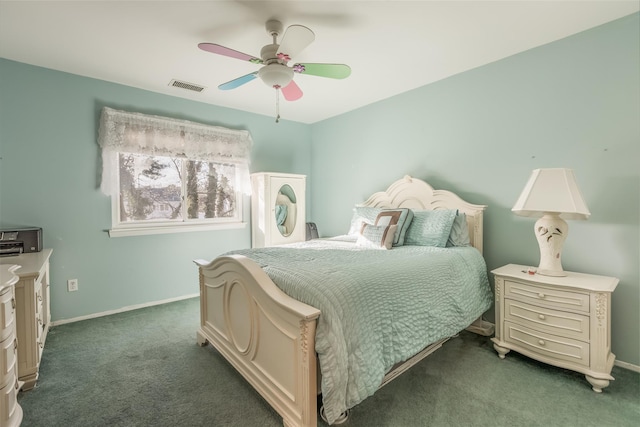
333, 71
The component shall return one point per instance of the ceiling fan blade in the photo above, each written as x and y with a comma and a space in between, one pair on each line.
333, 71
295, 39
238, 82
291, 92
221, 50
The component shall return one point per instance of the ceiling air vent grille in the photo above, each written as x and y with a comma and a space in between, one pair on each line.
187, 86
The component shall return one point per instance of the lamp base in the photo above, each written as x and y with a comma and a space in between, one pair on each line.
551, 273
551, 232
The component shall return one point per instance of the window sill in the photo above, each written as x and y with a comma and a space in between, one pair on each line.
167, 229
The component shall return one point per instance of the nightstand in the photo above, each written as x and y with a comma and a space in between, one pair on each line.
562, 321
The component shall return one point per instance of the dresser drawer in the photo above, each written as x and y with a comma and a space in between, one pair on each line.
39, 313
7, 308
547, 345
8, 359
10, 412
560, 323
546, 296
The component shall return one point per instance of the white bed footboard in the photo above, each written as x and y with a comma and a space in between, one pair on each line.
266, 335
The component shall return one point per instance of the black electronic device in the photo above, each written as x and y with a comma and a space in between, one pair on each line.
18, 240
312, 231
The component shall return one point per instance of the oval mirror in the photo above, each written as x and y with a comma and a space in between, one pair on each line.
285, 210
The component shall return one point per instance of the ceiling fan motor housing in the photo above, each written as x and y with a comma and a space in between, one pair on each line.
274, 73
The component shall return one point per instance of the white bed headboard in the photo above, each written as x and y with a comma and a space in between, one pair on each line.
416, 194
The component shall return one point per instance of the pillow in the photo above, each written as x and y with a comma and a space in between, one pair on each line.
459, 235
281, 217
362, 214
430, 228
376, 236
400, 217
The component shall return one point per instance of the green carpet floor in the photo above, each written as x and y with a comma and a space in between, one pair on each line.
143, 368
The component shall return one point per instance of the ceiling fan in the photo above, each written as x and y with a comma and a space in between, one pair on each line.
274, 58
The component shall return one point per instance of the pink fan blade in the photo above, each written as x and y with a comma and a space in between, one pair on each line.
291, 92
221, 50
238, 82
295, 39
334, 71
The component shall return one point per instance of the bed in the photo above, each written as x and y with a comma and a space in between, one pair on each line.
291, 351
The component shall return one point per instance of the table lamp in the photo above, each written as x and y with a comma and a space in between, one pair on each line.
553, 196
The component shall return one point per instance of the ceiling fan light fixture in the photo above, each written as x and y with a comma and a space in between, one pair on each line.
276, 75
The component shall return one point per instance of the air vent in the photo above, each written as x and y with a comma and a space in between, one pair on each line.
187, 86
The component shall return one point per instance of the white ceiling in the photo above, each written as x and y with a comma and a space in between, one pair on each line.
391, 46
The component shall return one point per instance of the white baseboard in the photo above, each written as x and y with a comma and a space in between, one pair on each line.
624, 365
123, 309
629, 366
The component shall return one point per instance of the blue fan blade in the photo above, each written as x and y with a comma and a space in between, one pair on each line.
238, 82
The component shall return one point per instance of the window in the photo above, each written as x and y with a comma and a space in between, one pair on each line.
152, 188
166, 175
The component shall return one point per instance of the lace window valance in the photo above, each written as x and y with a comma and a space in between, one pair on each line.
122, 131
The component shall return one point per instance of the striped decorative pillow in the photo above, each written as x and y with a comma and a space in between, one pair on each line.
376, 236
401, 217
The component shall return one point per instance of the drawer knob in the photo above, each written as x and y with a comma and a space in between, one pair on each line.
540, 295
541, 316
541, 342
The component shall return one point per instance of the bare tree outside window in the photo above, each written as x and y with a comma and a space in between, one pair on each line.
157, 188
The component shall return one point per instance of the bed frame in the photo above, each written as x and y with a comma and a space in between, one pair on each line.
269, 337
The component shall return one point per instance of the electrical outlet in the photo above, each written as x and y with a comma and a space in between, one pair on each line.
72, 285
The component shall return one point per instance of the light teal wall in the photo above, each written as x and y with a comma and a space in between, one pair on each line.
49, 171
574, 103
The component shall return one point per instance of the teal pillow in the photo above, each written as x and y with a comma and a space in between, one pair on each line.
362, 214
430, 228
459, 235
401, 217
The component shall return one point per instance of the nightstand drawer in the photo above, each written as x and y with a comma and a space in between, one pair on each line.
549, 346
560, 323
546, 296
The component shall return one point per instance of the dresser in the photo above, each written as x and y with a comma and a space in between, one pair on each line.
278, 213
562, 321
33, 315
10, 410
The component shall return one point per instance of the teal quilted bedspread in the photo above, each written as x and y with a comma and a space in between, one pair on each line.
379, 307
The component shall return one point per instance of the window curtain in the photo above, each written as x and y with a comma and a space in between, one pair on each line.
122, 131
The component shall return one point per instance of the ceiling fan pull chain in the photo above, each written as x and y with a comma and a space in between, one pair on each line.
277, 103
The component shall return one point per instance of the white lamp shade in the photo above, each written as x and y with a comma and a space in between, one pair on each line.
552, 191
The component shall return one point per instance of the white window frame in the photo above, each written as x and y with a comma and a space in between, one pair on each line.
137, 133
147, 227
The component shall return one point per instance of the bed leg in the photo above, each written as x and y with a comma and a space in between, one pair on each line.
481, 327
341, 419
201, 339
